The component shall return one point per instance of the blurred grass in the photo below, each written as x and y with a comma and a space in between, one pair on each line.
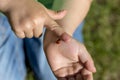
102, 38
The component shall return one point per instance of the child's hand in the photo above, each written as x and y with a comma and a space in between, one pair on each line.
69, 60
83, 75
27, 17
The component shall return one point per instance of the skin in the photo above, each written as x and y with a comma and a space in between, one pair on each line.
76, 13
28, 21
69, 60
64, 56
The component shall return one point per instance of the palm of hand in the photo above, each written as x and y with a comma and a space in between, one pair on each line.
64, 58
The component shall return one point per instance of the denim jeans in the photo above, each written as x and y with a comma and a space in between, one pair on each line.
13, 50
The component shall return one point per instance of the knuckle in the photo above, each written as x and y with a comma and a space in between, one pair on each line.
37, 21
29, 35
34, 21
26, 24
20, 35
38, 34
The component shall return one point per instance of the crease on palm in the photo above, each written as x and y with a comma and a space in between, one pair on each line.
66, 61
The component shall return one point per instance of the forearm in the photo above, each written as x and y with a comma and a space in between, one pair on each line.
76, 12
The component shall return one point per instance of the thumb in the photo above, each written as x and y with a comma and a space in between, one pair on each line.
87, 60
56, 15
53, 26
90, 66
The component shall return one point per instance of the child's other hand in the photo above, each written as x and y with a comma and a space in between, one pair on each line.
69, 60
27, 18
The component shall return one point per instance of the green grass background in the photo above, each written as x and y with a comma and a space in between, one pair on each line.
102, 39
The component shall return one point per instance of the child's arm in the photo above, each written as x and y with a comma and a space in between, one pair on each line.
59, 53
76, 12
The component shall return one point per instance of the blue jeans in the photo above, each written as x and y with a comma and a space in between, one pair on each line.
13, 50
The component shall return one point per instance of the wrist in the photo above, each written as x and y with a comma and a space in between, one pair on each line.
68, 26
51, 37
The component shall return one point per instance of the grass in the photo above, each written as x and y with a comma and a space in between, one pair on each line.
102, 39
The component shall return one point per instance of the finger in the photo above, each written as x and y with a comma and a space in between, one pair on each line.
87, 75
19, 33
76, 67
71, 78
38, 31
61, 72
53, 26
57, 29
28, 29
62, 79
90, 66
79, 77
29, 33
86, 59
68, 71
56, 15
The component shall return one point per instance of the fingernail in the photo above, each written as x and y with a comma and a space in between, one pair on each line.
65, 37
